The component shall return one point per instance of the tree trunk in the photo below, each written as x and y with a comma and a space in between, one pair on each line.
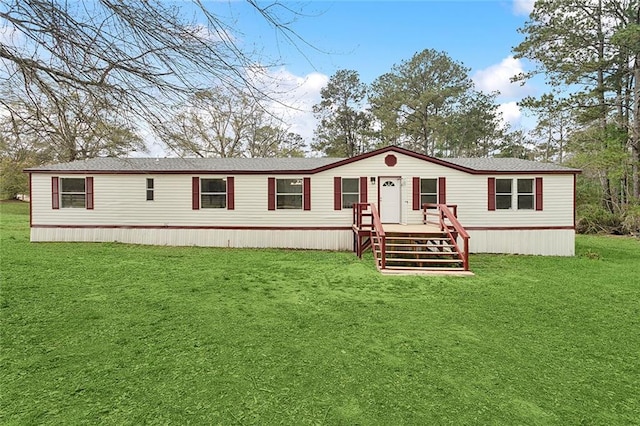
635, 134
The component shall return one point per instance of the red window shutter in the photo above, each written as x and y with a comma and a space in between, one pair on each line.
416, 193
337, 193
231, 196
539, 193
306, 193
55, 193
442, 190
363, 189
491, 193
195, 193
271, 193
89, 190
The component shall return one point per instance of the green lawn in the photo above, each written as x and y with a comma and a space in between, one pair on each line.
123, 334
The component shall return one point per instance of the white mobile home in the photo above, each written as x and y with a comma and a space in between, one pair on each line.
503, 205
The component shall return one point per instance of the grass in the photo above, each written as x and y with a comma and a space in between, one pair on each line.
124, 334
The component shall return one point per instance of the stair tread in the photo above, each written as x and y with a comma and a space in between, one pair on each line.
421, 237
393, 249
425, 269
402, 259
435, 255
420, 245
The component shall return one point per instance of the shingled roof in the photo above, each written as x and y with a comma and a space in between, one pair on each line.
287, 165
506, 165
109, 164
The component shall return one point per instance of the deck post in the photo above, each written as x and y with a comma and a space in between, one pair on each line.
465, 261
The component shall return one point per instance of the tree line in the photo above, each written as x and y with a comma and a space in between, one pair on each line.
589, 53
88, 79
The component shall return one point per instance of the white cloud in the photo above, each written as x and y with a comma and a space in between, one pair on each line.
8, 35
293, 98
498, 77
523, 7
511, 113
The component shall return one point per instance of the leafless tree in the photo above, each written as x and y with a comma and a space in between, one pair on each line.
138, 55
228, 123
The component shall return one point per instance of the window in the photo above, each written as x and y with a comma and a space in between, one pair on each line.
149, 189
72, 193
288, 194
428, 191
350, 192
525, 194
213, 193
503, 194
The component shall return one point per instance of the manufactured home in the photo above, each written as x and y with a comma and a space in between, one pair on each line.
413, 210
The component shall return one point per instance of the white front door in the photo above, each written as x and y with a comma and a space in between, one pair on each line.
389, 203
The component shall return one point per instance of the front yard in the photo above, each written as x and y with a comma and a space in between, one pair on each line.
122, 334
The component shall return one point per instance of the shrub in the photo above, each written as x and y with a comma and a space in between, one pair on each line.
631, 221
595, 219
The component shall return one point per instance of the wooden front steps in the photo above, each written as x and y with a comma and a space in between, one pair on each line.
411, 250
433, 247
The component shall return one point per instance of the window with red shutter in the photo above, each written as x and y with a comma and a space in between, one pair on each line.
271, 193
491, 193
55, 193
337, 193
363, 189
231, 193
416, 193
195, 193
442, 190
89, 188
306, 193
539, 193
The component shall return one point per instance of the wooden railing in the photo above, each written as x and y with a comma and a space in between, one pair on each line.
447, 219
378, 231
428, 207
359, 213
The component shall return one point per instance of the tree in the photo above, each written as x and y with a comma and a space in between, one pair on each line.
70, 127
15, 155
555, 123
514, 144
591, 49
59, 129
137, 55
474, 130
344, 128
228, 123
420, 101
274, 141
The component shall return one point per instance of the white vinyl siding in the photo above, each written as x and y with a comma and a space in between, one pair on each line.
308, 239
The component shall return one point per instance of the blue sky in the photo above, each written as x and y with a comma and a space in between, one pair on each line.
371, 36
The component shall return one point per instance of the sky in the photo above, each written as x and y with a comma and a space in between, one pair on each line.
370, 37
